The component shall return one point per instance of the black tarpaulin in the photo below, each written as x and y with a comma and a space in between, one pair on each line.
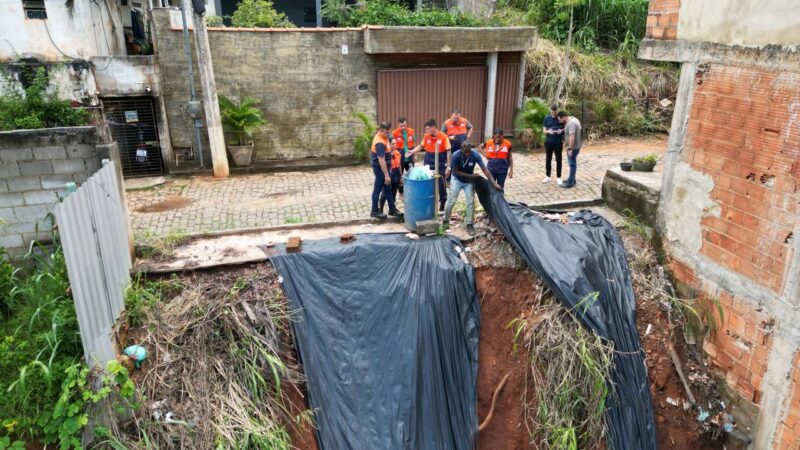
387, 332
575, 261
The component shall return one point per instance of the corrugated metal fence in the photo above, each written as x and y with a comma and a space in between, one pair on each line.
94, 235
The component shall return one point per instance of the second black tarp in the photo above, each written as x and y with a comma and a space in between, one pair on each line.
387, 332
585, 266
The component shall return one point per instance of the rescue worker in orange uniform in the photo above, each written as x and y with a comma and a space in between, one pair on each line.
395, 174
458, 129
404, 141
433, 140
498, 151
381, 157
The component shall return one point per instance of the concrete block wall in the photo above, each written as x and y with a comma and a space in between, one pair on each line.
662, 19
729, 216
35, 166
309, 89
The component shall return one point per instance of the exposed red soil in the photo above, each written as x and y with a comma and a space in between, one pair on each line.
303, 436
677, 428
504, 295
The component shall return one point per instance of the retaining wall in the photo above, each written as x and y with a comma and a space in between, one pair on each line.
35, 166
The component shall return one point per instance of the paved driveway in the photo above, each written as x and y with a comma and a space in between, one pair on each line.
204, 204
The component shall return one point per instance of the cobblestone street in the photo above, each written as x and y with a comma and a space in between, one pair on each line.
204, 204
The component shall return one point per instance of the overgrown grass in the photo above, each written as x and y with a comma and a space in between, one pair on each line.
220, 335
291, 220
46, 388
150, 246
634, 224
387, 12
570, 369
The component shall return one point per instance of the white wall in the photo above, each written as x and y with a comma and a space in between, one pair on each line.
740, 22
80, 29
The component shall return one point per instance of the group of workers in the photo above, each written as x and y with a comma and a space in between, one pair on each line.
393, 153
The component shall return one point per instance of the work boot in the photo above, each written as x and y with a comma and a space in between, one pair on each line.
395, 213
471, 230
377, 214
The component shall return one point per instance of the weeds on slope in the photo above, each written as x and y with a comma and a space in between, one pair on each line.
216, 375
569, 371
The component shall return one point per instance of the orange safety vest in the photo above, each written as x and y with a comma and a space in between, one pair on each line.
494, 151
429, 143
381, 139
398, 138
395, 159
454, 129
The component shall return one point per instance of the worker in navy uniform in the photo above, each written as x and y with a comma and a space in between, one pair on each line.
381, 157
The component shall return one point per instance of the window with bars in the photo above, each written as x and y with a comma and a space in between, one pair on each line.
34, 9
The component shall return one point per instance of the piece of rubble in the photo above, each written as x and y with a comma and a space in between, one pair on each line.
427, 227
346, 238
293, 244
412, 236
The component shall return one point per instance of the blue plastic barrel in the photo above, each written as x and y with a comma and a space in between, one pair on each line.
417, 201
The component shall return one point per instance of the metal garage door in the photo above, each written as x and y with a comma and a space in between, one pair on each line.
132, 122
422, 94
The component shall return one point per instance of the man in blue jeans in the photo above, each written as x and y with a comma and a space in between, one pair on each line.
572, 139
462, 164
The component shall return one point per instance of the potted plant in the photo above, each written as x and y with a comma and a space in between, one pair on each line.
626, 166
240, 120
645, 163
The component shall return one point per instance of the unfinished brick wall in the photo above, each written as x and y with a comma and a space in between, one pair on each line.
744, 132
788, 436
739, 345
662, 19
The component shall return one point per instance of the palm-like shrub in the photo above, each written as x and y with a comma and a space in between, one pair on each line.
241, 119
364, 140
530, 118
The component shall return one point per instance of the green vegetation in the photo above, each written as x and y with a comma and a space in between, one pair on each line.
605, 85
616, 25
151, 247
390, 13
213, 20
35, 107
46, 388
292, 220
259, 14
530, 119
647, 159
241, 119
634, 224
570, 369
363, 142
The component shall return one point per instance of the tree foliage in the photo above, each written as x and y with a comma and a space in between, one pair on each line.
259, 14
598, 24
37, 107
390, 13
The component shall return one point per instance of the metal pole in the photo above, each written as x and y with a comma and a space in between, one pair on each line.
319, 13
436, 178
188, 49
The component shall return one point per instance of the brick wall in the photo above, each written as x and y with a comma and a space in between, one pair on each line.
35, 166
739, 345
744, 133
662, 19
788, 436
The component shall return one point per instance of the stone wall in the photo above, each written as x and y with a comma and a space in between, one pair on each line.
35, 166
309, 89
